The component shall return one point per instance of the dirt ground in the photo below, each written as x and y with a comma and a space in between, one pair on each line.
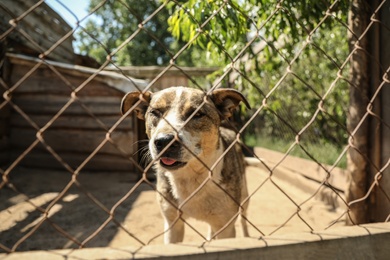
137, 220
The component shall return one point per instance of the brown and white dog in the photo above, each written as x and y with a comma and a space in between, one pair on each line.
198, 170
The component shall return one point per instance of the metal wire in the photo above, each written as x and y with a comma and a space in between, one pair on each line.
10, 91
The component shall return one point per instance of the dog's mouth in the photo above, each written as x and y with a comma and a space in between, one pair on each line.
170, 163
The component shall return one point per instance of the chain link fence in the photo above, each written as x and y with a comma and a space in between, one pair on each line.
73, 167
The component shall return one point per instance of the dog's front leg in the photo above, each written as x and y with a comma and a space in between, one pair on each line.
228, 232
174, 231
218, 230
210, 234
173, 224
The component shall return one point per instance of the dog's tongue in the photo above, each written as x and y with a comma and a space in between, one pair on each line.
168, 161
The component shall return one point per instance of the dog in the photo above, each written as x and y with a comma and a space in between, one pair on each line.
200, 172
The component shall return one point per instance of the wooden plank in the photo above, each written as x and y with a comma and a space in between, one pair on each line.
42, 80
55, 85
4, 143
152, 71
73, 121
4, 112
68, 140
45, 81
105, 81
100, 162
170, 81
4, 124
4, 127
50, 105
4, 158
4, 150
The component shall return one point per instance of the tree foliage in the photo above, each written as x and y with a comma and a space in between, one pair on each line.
234, 23
301, 42
116, 21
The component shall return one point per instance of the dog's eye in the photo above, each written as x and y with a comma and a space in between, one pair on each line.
198, 115
155, 112
192, 115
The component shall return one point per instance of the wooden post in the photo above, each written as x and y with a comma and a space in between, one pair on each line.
359, 84
370, 142
379, 150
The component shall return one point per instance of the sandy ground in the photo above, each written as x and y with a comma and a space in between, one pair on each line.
137, 220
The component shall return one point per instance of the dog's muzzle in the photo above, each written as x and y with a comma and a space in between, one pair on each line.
171, 150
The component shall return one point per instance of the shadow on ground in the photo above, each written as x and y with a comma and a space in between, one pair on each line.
75, 216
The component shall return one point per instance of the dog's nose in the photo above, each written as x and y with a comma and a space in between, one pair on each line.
163, 141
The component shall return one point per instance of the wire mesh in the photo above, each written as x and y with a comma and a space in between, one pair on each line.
31, 205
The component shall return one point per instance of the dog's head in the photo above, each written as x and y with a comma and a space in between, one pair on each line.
182, 123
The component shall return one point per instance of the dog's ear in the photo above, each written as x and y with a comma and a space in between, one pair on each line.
226, 100
129, 100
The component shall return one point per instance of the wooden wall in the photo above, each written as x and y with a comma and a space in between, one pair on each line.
167, 81
44, 27
4, 115
75, 134
3, 135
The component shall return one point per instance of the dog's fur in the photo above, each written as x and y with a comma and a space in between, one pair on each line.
197, 170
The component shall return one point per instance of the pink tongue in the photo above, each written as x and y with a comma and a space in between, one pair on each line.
168, 161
